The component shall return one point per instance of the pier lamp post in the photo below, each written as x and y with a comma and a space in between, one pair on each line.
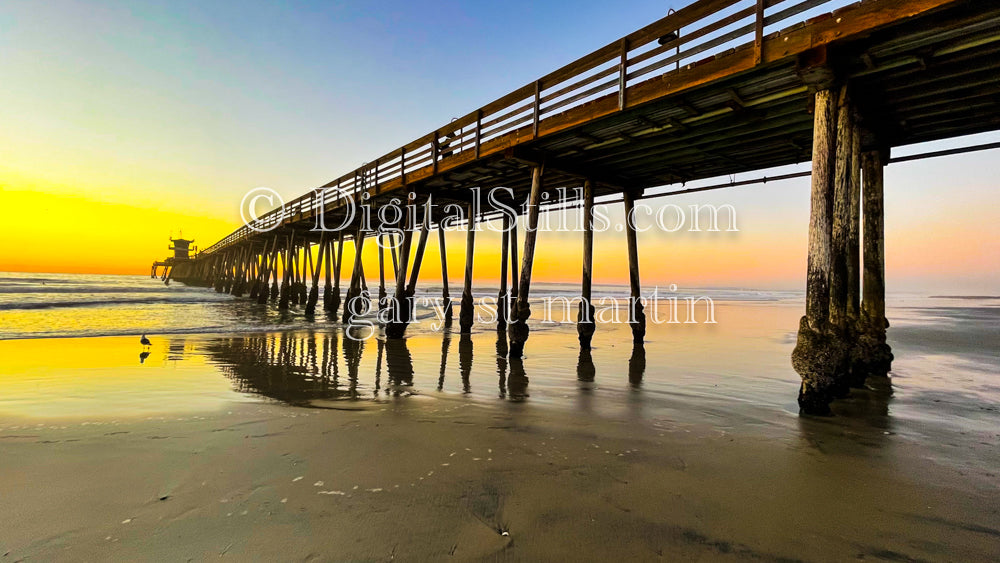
670, 37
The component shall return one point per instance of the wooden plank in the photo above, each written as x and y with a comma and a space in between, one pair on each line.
610, 71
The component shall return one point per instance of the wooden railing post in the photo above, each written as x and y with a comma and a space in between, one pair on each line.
758, 41
537, 108
402, 165
435, 149
622, 73
479, 130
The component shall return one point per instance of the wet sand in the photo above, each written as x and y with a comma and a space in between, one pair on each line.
644, 466
426, 479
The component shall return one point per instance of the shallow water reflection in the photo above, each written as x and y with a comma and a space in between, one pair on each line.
299, 367
731, 375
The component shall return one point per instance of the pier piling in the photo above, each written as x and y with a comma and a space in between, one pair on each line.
467, 311
816, 356
637, 315
875, 356
585, 323
518, 328
503, 301
447, 309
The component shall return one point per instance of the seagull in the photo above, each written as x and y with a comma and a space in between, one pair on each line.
145, 341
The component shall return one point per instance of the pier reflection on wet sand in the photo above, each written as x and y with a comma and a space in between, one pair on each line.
301, 367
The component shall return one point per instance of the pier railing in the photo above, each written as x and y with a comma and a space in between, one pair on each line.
701, 31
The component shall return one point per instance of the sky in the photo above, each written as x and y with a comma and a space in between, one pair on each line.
122, 124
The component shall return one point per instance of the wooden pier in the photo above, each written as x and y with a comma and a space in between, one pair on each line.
715, 88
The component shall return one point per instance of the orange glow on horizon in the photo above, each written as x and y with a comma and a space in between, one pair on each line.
60, 232
48, 232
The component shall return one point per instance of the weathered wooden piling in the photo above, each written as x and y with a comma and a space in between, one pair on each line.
278, 256
254, 274
586, 372
305, 272
284, 295
233, 270
818, 356
230, 278
503, 301
220, 274
446, 305
854, 229
270, 264
393, 250
840, 326
381, 271
299, 273
585, 322
252, 271
637, 315
328, 274
418, 256
400, 306
334, 303
314, 290
514, 278
467, 311
407, 304
242, 261
293, 285
308, 273
518, 329
874, 354
354, 289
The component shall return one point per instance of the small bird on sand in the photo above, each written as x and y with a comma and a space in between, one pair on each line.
145, 341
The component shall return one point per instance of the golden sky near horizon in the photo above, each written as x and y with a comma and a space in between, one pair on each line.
53, 229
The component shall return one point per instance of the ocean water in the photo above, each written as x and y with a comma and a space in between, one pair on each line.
73, 305
210, 348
